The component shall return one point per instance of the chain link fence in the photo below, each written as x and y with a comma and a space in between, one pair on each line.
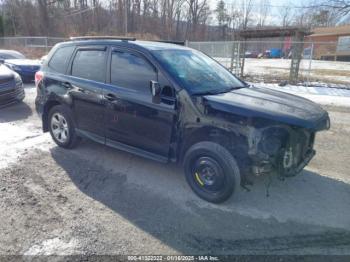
271, 61
321, 63
32, 47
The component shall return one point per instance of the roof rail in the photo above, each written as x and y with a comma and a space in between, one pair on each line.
78, 38
171, 42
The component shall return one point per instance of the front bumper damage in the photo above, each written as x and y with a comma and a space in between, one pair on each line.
266, 167
295, 152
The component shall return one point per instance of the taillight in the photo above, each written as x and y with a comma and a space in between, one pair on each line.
38, 77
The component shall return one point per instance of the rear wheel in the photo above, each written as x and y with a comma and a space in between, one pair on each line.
62, 128
211, 171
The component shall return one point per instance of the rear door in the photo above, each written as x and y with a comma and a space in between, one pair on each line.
86, 82
131, 116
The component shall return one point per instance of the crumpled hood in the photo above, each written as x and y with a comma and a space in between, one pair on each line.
270, 104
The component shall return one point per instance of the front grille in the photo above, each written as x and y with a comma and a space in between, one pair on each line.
4, 81
7, 83
9, 95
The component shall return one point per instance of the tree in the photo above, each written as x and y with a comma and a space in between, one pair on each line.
222, 16
341, 6
247, 6
330, 10
263, 12
286, 16
322, 17
221, 12
198, 11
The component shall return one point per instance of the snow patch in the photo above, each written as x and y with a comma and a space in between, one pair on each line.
320, 95
54, 246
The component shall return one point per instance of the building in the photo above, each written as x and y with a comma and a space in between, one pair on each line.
330, 43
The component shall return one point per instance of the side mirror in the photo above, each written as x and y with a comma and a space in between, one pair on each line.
155, 88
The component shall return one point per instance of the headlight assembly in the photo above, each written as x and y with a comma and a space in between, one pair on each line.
18, 80
271, 145
272, 140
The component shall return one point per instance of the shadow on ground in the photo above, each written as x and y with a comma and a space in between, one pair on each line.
15, 112
297, 216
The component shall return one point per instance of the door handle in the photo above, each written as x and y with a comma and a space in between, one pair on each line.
67, 85
111, 97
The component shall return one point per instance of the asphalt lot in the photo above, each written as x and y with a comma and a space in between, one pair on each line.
97, 200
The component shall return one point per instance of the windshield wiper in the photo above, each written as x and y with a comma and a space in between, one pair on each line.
218, 91
209, 92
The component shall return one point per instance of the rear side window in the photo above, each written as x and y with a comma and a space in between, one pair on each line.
90, 64
131, 71
60, 59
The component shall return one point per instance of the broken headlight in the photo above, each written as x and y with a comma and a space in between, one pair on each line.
271, 145
272, 141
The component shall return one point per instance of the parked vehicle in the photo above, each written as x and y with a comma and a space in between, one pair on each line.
276, 53
26, 68
251, 54
10, 54
11, 87
171, 103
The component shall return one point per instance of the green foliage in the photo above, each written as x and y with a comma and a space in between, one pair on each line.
221, 12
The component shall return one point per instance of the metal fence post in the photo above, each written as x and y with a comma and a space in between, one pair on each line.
310, 62
46, 44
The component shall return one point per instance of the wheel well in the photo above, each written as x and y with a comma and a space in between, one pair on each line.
47, 108
236, 145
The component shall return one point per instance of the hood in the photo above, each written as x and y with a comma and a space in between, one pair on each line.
23, 62
6, 73
272, 105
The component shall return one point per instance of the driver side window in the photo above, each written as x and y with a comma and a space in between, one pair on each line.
129, 70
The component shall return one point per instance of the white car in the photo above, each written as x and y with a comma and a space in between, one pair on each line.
10, 54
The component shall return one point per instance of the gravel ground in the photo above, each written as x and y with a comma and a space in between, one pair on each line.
97, 200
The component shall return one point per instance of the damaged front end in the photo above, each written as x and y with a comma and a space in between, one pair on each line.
281, 149
279, 129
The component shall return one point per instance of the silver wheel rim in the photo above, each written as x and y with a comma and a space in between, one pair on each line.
59, 127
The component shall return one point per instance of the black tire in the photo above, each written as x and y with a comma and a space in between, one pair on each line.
72, 138
211, 156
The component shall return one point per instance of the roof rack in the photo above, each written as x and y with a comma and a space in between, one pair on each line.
171, 42
78, 38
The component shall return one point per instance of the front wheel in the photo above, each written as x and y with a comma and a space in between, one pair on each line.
211, 171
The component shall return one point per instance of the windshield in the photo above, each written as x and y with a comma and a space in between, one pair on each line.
196, 72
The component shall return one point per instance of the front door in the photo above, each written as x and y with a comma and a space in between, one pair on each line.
131, 116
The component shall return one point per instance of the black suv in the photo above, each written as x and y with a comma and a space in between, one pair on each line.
168, 102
